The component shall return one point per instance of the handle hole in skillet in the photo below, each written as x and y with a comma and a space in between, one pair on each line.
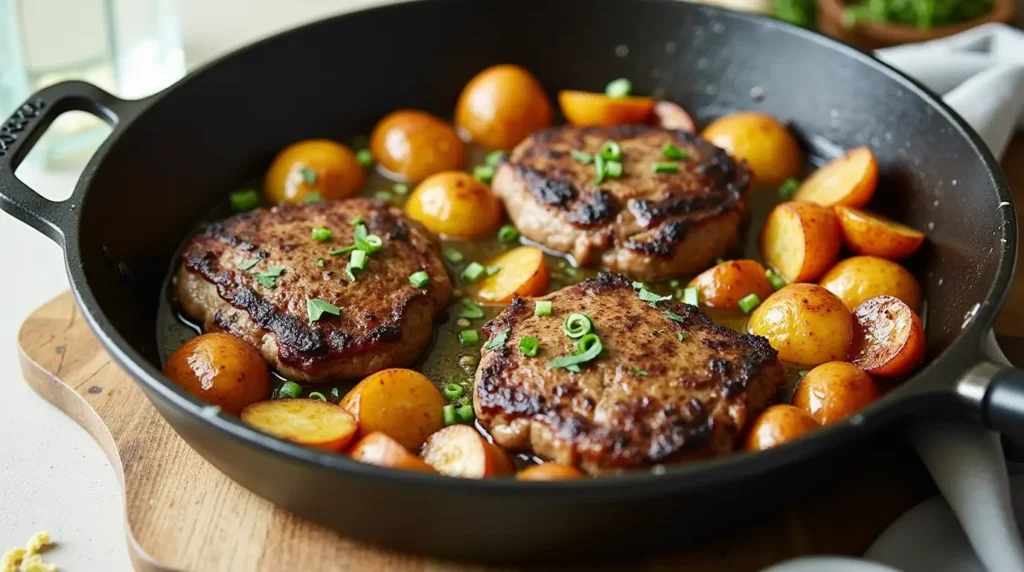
56, 161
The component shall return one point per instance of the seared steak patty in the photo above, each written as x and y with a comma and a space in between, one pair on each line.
649, 225
227, 282
671, 384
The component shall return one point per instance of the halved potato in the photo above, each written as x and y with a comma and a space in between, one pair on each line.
220, 369
876, 235
888, 337
770, 150
668, 115
313, 166
308, 422
453, 204
805, 323
777, 425
800, 240
849, 180
401, 403
460, 451
501, 105
583, 108
549, 472
725, 284
858, 278
379, 449
521, 271
835, 390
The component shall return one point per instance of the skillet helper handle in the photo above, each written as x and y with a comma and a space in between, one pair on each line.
21, 131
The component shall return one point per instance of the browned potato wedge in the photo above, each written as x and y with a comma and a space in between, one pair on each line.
858, 278
460, 451
777, 425
834, 391
549, 472
869, 233
383, 451
888, 338
401, 403
725, 284
805, 323
765, 144
849, 180
308, 422
221, 370
800, 240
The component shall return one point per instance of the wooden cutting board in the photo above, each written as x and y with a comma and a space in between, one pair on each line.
182, 514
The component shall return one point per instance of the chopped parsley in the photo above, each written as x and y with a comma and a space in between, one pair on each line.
682, 336
316, 308
322, 234
308, 175
246, 200
648, 296
498, 340
638, 371
320, 262
268, 278
313, 198
470, 310
675, 317
249, 263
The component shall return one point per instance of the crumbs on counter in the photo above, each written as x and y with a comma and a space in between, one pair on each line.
28, 559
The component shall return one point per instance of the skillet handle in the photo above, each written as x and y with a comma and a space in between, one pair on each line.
21, 131
1002, 406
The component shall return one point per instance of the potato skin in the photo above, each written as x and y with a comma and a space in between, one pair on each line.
801, 240
888, 338
549, 472
876, 235
833, 391
725, 284
859, 278
336, 172
582, 108
805, 323
460, 451
501, 105
221, 370
759, 139
414, 145
777, 425
379, 449
453, 204
401, 403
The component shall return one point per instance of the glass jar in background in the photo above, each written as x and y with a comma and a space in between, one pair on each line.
131, 48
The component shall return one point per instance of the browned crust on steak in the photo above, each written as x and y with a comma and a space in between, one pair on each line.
385, 321
694, 401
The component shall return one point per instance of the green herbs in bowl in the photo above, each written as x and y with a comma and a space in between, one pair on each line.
921, 14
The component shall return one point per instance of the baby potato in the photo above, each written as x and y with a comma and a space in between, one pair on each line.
401, 403
777, 425
522, 271
668, 115
313, 166
221, 370
888, 337
876, 235
379, 449
583, 108
501, 106
849, 180
414, 145
724, 285
549, 472
455, 205
460, 451
308, 422
770, 150
834, 391
800, 240
858, 278
805, 323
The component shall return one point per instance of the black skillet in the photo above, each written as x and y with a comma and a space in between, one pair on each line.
171, 157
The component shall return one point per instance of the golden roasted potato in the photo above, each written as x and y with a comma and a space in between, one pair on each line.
310, 422
858, 278
501, 105
582, 108
876, 235
221, 370
414, 145
401, 403
455, 205
549, 472
522, 272
777, 425
379, 449
849, 180
888, 337
834, 391
800, 240
725, 284
805, 323
313, 166
460, 451
770, 150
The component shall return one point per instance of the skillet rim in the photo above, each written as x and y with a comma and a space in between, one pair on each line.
738, 465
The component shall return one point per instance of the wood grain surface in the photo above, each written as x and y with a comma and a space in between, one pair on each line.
182, 514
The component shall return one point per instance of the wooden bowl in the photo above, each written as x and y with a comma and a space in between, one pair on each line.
869, 36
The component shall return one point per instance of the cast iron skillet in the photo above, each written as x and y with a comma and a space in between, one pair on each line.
173, 156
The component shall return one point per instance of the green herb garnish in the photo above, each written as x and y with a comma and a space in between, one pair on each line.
648, 296
315, 308
577, 325
308, 175
321, 234
448, 414
317, 395
542, 308
672, 151
529, 345
492, 270
483, 173
778, 282
472, 272
601, 170
681, 335
465, 414
638, 371
621, 87
494, 158
749, 302
469, 337
419, 279
249, 263
340, 251
268, 278
587, 349
364, 241
246, 200
611, 151
664, 167
675, 317
691, 296
581, 157
320, 262
498, 340
454, 256
508, 233
787, 188
470, 310
400, 189
289, 389
453, 391
365, 157
313, 198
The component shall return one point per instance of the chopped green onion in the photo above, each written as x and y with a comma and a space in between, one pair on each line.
448, 413
543, 308
749, 302
587, 349
356, 220
358, 260
365, 157
508, 233
787, 188
364, 241
400, 189
419, 279
316, 308
664, 167
249, 263
321, 234
492, 270
638, 285
600, 168
340, 251
577, 325
498, 340
802, 373
778, 282
675, 317
638, 371
691, 296
268, 278
320, 262
463, 323
581, 157
648, 296
454, 256
674, 283
483, 173
529, 345
672, 151
289, 389
383, 196
494, 158
246, 200
469, 337
614, 169
313, 198
470, 310
335, 394
472, 272
621, 87
453, 391
611, 150
465, 414
317, 395
681, 335
308, 175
